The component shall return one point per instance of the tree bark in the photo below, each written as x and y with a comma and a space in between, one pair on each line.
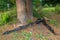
21, 12
29, 9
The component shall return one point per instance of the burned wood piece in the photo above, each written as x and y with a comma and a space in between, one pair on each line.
17, 29
38, 20
43, 20
48, 27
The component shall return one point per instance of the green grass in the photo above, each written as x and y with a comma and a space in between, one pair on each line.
55, 22
41, 36
48, 12
27, 36
8, 16
51, 9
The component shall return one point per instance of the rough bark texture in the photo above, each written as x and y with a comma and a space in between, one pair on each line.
21, 12
29, 9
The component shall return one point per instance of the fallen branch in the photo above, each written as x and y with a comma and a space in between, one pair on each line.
43, 20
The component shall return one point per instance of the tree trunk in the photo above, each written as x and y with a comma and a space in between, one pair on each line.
29, 9
21, 12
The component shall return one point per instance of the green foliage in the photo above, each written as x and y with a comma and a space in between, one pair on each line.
37, 7
49, 9
13, 1
4, 6
4, 18
45, 12
35, 14
8, 16
57, 9
46, 5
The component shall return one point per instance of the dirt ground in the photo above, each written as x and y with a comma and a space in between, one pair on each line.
35, 29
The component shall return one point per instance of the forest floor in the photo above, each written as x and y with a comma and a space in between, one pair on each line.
35, 32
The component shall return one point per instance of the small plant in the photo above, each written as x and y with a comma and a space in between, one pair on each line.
41, 36
4, 18
27, 36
